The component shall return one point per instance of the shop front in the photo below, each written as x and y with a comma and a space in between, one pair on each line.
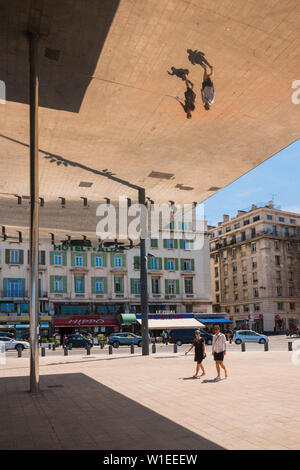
19, 326
159, 322
85, 324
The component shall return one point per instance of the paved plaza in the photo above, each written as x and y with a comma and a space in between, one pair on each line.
128, 401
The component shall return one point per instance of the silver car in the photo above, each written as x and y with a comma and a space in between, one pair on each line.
249, 336
13, 343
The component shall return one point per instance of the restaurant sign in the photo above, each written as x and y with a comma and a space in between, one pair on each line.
84, 321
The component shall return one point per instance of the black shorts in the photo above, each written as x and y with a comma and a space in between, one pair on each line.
207, 82
219, 356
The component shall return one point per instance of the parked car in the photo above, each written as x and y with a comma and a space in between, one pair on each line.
249, 336
187, 336
78, 341
117, 339
13, 343
7, 335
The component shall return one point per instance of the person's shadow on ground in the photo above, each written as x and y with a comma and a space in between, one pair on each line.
197, 57
180, 73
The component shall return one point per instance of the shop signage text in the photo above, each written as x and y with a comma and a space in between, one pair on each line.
85, 249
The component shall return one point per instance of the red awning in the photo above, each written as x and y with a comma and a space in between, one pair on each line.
82, 321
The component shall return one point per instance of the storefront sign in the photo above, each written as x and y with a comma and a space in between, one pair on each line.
22, 318
84, 321
85, 249
168, 316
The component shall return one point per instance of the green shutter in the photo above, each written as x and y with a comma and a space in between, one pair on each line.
64, 259
175, 244
177, 286
193, 264
176, 264
93, 264
104, 260
132, 286
52, 283
7, 256
93, 285
192, 290
149, 262
181, 244
154, 243
73, 259
52, 258
166, 286
21, 256
160, 263
85, 259
166, 263
122, 285
182, 264
5, 286
136, 262
165, 242
64, 278
112, 260
124, 261
105, 285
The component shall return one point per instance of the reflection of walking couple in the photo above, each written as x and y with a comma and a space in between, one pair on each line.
207, 90
218, 351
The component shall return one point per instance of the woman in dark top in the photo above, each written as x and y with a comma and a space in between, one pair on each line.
199, 345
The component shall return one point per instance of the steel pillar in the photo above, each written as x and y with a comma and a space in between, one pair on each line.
143, 276
34, 214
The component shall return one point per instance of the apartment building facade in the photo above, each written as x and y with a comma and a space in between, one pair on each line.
255, 268
92, 286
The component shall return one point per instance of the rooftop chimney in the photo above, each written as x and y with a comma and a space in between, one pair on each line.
253, 207
241, 213
225, 218
270, 205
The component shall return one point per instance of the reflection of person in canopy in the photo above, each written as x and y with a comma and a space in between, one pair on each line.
190, 97
207, 91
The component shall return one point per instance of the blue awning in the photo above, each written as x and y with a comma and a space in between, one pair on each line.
214, 320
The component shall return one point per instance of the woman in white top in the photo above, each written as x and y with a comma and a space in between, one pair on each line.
219, 351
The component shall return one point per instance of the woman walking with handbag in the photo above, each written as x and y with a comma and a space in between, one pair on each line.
199, 345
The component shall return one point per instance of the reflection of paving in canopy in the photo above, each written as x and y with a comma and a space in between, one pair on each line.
107, 101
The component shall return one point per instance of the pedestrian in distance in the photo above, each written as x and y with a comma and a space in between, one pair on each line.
219, 351
207, 90
199, 345
190, 97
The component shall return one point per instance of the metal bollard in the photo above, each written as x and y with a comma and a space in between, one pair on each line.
290, 346
153, 348
49, 346
243, 347
266, 346
175, 348
66, 351
88, 350
43, 352
53, 347
132, 348
70, 346
110, 349
20, 350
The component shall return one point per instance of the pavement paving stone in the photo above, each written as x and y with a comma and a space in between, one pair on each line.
136, 400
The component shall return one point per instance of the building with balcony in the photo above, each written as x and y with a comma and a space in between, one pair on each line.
255, 268
92, 286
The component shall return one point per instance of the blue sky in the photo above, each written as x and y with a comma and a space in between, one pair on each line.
277, 179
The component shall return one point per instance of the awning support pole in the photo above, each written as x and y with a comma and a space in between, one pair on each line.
143, 276
34, 214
